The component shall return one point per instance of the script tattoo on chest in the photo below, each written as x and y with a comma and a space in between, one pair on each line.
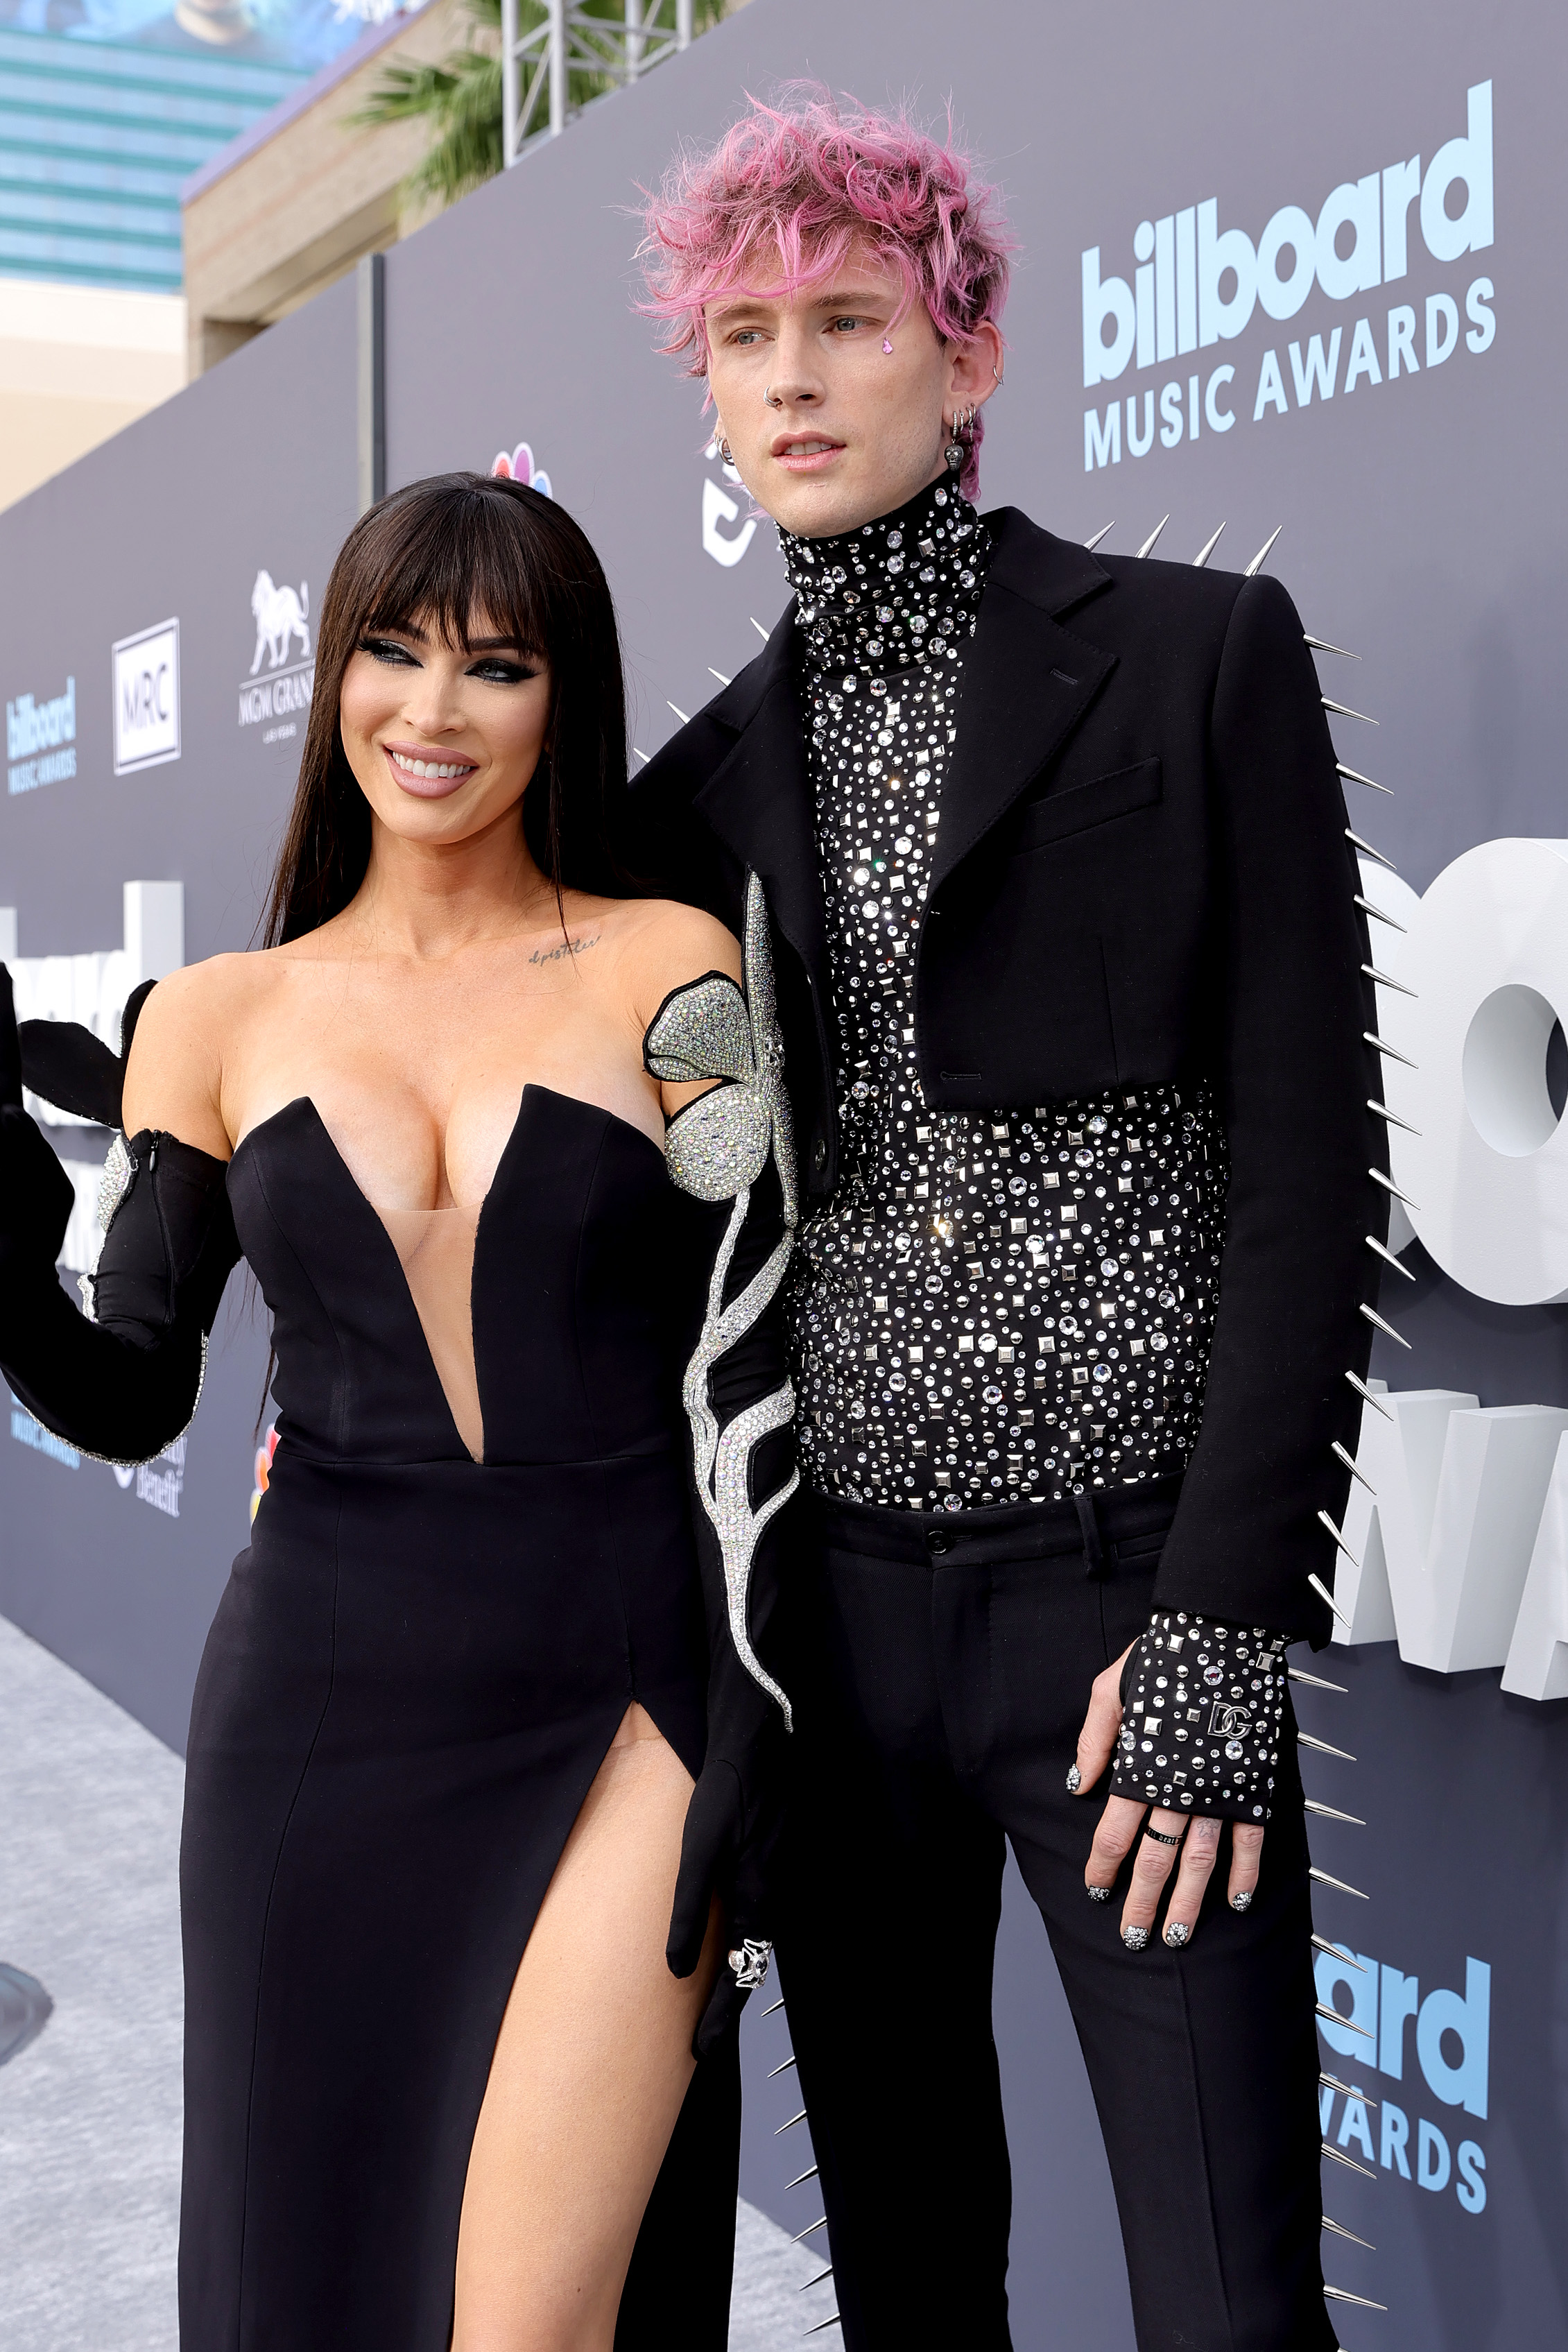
567, 948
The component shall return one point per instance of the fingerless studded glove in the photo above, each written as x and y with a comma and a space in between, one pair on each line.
1203, 1710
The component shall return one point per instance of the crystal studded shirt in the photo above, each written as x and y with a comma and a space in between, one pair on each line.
991, 1308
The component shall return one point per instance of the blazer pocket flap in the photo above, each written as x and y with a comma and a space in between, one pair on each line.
1079, 806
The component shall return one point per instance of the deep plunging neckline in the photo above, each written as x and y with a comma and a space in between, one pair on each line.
306, 1103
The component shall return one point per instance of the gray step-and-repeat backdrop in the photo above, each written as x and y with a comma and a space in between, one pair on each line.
1278, 270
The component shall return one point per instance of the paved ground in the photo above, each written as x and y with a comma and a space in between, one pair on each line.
90, 2109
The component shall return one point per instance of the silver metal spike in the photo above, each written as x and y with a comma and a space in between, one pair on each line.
1324, 1879
1379, 916
1316, 1682
1383, 1111
1372, 1316
1386, 980
719, 674
1354, 776
1340, 1543
1329, 1814
1091, 545
790, 2125
1343, 710
1388, 1257
809, 2230
1340, 2231
1349, 1459
1351, 2090
1338, 2156
1205, 550
801, 2177
1339, 2294
1321, 1748
1392, 1051
1322, 646
815, 2282
756, 625
1365, 1393
1367, 847
773, 2007
1148, 547
1256, 565
784, 2069
641, 753
1320, 1588
680, 714
1320, 1944
832, 2320
1388, 1185
1333, 2018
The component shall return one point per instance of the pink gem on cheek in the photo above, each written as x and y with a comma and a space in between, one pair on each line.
888, 347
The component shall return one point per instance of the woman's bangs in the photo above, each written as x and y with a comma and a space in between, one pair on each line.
465, 575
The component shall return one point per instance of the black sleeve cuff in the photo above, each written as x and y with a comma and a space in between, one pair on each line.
1203, 1706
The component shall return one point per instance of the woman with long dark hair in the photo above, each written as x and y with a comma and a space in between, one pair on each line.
478, 1800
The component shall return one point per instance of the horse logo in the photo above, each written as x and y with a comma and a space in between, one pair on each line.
279, 614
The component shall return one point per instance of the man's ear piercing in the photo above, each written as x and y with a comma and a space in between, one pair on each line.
725, 451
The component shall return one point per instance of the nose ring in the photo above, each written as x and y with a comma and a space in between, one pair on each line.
768, 401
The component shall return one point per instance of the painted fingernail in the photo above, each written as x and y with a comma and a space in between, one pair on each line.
1242, 1902
1135, 1938
1176, 1934
1099, 1894
1074, 1781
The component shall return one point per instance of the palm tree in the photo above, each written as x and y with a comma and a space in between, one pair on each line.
460, 99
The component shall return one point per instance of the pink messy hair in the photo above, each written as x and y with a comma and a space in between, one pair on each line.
788, 190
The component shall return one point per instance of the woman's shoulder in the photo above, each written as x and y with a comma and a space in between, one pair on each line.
667, 942
205, 996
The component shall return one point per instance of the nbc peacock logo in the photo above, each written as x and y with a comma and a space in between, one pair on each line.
520, 467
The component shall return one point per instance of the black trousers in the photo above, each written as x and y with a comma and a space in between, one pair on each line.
942, 1671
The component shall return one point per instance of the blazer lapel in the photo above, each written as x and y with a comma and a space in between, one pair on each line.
758, 800
1026, 681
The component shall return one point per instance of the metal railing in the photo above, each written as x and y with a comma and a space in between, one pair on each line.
536, 65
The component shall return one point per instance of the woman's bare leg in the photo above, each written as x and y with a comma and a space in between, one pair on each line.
590, 2068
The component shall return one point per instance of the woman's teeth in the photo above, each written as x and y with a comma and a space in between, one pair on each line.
444, 769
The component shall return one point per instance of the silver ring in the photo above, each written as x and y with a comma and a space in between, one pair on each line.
751, 1962
768, 401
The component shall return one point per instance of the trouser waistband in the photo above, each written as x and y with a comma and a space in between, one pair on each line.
1097, 1525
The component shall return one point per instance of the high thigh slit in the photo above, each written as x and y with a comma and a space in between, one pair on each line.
415, 1672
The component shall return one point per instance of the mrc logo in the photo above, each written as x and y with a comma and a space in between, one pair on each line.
1194, 285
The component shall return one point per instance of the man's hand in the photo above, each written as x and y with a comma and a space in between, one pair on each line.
1123, 1822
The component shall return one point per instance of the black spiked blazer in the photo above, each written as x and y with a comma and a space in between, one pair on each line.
1141, 876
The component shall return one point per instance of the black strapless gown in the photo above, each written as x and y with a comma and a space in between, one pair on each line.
412, 1679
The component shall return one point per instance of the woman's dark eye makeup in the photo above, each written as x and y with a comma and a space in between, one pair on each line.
495, 668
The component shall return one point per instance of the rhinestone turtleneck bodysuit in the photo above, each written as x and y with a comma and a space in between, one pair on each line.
994, 1308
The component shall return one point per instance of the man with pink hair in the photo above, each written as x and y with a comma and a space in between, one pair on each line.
1072, 982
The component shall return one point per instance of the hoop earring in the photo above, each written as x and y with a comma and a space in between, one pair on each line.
725, 452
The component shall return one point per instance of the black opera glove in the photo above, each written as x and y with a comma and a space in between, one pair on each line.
124, 1383
1203, 1711
733, 1145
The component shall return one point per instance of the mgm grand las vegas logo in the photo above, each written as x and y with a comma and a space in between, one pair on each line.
275, 695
